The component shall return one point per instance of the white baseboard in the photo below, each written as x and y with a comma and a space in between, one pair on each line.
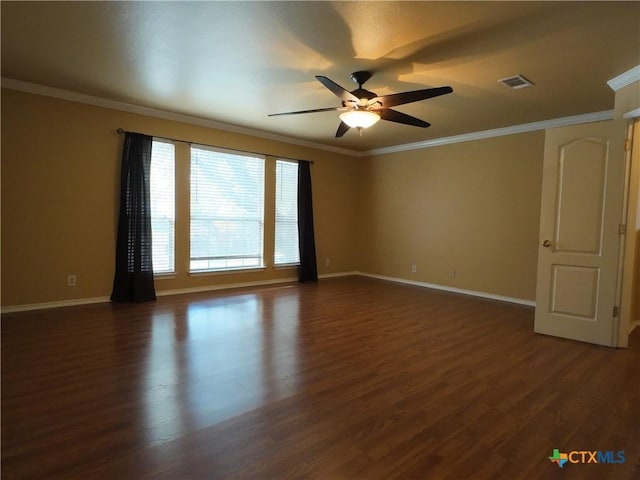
339, 274
225, 286
58, 304
228, 286
160, 293
472, 293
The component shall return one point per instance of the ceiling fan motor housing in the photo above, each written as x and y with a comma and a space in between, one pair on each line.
361, 94
361, 77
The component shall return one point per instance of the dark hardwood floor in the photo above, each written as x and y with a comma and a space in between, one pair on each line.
352, 378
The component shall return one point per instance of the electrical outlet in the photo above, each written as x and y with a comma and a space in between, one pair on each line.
452, 274
414, 269
327, 262
71, 281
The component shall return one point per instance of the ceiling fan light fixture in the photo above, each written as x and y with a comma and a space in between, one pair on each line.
359, 118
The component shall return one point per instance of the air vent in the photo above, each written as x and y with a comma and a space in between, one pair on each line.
515, 82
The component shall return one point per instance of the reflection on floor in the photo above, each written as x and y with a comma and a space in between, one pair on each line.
351, 378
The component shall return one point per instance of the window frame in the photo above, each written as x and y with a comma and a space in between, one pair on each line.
209, 270
172, 271
275, 216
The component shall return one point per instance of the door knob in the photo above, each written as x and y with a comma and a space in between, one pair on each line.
546, 243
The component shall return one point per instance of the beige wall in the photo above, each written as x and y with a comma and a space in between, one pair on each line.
60, 167
472, 207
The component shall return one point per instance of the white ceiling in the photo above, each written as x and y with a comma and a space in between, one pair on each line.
235, 62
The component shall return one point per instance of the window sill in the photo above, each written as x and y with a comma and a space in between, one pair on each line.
286, 266
205, 273
164, 276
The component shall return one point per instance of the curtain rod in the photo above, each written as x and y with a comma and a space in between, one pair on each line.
121, 131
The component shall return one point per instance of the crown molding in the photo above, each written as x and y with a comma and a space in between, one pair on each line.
624, 79
497, 132
37, 89
178, 117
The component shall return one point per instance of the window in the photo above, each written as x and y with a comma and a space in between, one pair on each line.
227, 205
163, 216
286, 242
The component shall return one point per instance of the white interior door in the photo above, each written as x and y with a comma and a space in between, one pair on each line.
578, 259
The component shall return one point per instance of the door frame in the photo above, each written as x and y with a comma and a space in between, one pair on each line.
624, 323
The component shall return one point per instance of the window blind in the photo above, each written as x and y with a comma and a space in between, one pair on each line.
227, 210
286, 241
162, 191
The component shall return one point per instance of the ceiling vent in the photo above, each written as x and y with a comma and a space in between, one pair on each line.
515, 82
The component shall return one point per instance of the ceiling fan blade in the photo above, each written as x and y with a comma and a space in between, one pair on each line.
399, 117
337, 90
394, 99
342, 129
330, 109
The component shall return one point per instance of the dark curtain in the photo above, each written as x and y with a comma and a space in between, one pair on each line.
133, 281
308, 271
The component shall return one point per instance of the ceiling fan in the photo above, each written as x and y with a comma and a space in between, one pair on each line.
362, 108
